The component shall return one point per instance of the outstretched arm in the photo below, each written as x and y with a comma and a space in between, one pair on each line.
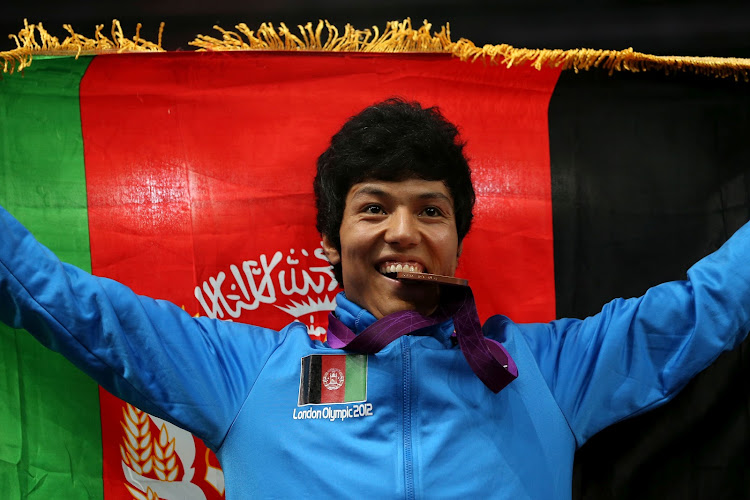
637, 353
195, 372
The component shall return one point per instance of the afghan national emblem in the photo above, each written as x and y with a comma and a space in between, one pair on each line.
333, 379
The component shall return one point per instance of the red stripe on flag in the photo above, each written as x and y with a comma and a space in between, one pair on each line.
333, 379
199, 162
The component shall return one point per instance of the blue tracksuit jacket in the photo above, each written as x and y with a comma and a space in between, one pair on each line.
428, 428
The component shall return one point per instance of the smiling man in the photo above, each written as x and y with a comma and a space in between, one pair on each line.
393, 188
411, 414
389, 227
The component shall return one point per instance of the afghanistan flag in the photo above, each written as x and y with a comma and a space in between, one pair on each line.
334, 378
188, 177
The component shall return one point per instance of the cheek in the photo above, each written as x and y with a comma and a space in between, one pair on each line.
354, 254
448, 251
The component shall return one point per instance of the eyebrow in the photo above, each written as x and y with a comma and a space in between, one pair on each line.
433, 196
375, 191
369, 190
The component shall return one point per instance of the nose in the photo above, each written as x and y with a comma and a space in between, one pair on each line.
402, 229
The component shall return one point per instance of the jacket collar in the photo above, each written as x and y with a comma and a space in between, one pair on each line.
357, 319
354, 317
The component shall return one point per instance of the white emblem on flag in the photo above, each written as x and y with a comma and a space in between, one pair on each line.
296, 285
161, 467
333, 379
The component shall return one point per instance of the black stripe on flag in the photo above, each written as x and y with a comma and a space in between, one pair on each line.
650, 172
310, 377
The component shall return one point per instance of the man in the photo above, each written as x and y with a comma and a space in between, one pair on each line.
393, 191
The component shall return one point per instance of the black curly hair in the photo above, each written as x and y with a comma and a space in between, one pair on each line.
393, 140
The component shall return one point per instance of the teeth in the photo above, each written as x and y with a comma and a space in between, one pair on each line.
400, 267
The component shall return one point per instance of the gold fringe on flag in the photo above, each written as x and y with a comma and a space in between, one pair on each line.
398, 36
27, 44
610, 60
402, 37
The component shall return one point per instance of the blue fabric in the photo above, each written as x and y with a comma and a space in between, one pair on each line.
434, 431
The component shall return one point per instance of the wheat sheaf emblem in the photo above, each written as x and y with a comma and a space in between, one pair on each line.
145, 455
137, 495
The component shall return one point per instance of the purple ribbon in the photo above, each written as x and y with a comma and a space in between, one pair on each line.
487, 358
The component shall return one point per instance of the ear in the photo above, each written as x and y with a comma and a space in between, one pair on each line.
332, 253
460, 249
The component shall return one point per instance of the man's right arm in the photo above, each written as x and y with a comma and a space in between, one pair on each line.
195, 372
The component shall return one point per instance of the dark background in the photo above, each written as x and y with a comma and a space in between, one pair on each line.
665, 27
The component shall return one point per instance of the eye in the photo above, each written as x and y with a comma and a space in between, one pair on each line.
374, 209
432, 212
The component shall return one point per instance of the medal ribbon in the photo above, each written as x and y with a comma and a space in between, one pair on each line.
487, 358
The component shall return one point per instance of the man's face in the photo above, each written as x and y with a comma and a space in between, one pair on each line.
409, 223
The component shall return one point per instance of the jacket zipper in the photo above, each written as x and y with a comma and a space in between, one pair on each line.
408, 458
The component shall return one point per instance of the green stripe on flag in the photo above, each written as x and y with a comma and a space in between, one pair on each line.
50, 443
356, 377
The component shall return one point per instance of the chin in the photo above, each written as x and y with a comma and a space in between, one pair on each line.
424, 308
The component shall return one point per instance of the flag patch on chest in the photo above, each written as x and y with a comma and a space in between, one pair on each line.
334, 378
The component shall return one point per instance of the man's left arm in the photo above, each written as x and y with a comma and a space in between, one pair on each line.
637, 353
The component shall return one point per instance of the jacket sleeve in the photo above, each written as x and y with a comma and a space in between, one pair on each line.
637, 353
194, 372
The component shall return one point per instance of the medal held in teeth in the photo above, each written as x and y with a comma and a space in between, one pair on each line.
429, 278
